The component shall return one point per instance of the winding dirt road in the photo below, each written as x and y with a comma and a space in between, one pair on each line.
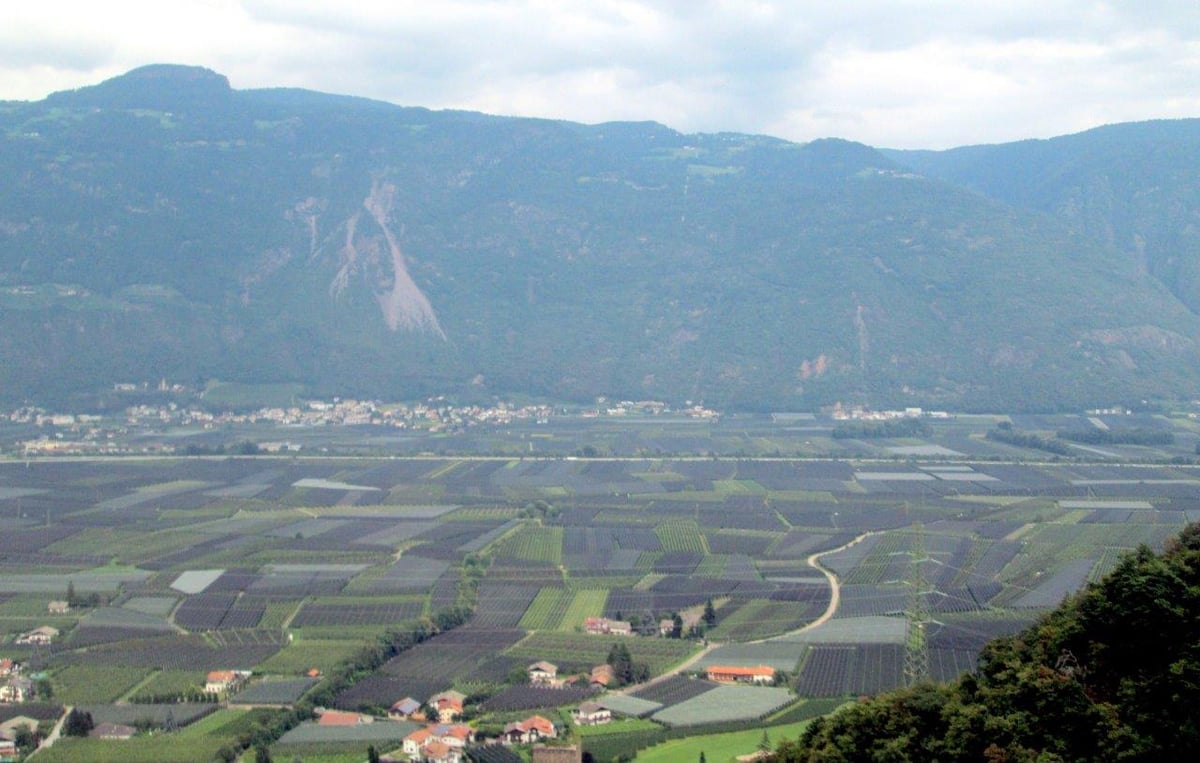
835, 586
835, 598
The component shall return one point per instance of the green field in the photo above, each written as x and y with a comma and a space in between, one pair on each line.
94, 684
581, 649
547, 609
584, 604
314, 574
718, 748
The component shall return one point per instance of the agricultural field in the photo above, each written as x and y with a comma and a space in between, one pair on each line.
284, 566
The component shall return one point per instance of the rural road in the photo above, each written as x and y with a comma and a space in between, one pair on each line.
835, 586
835, 597
54, 734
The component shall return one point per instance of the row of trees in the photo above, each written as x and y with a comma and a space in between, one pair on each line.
866, 430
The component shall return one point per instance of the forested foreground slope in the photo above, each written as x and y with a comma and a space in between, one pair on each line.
1113, 674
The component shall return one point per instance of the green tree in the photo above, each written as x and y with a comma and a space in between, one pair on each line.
372, 754
622, 662
78, 723
710, 614
24, 737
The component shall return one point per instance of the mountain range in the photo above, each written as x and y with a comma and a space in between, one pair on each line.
162, 224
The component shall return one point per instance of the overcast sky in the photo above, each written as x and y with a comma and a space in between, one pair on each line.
891, 73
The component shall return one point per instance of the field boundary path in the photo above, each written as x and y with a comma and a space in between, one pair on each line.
54, 734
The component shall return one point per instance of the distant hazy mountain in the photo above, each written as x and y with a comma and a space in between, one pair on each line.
161, 224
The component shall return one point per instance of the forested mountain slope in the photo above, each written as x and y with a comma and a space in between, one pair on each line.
165, 225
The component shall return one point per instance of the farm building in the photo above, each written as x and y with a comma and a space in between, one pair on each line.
572, 753
602, 626
602, 676
43, 635
448, 705
543, 673
224, 681
112, 731
58, 607
16, 689
591, 714
8, 750
440, 742
532, 729
340, 718
759, 674
402, 709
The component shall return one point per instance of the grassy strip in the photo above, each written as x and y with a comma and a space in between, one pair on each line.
585, 603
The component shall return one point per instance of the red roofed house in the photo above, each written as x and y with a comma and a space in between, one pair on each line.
448, 705
602, 676
340, 718
440, 752
415, 741
759, 674
443, 743
457, 735
223, 681
532, 729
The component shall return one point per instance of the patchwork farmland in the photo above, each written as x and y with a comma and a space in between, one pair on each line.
295, 570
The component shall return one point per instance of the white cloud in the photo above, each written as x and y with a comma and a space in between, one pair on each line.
902, 73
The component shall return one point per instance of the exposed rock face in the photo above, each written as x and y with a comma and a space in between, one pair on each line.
372, 252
